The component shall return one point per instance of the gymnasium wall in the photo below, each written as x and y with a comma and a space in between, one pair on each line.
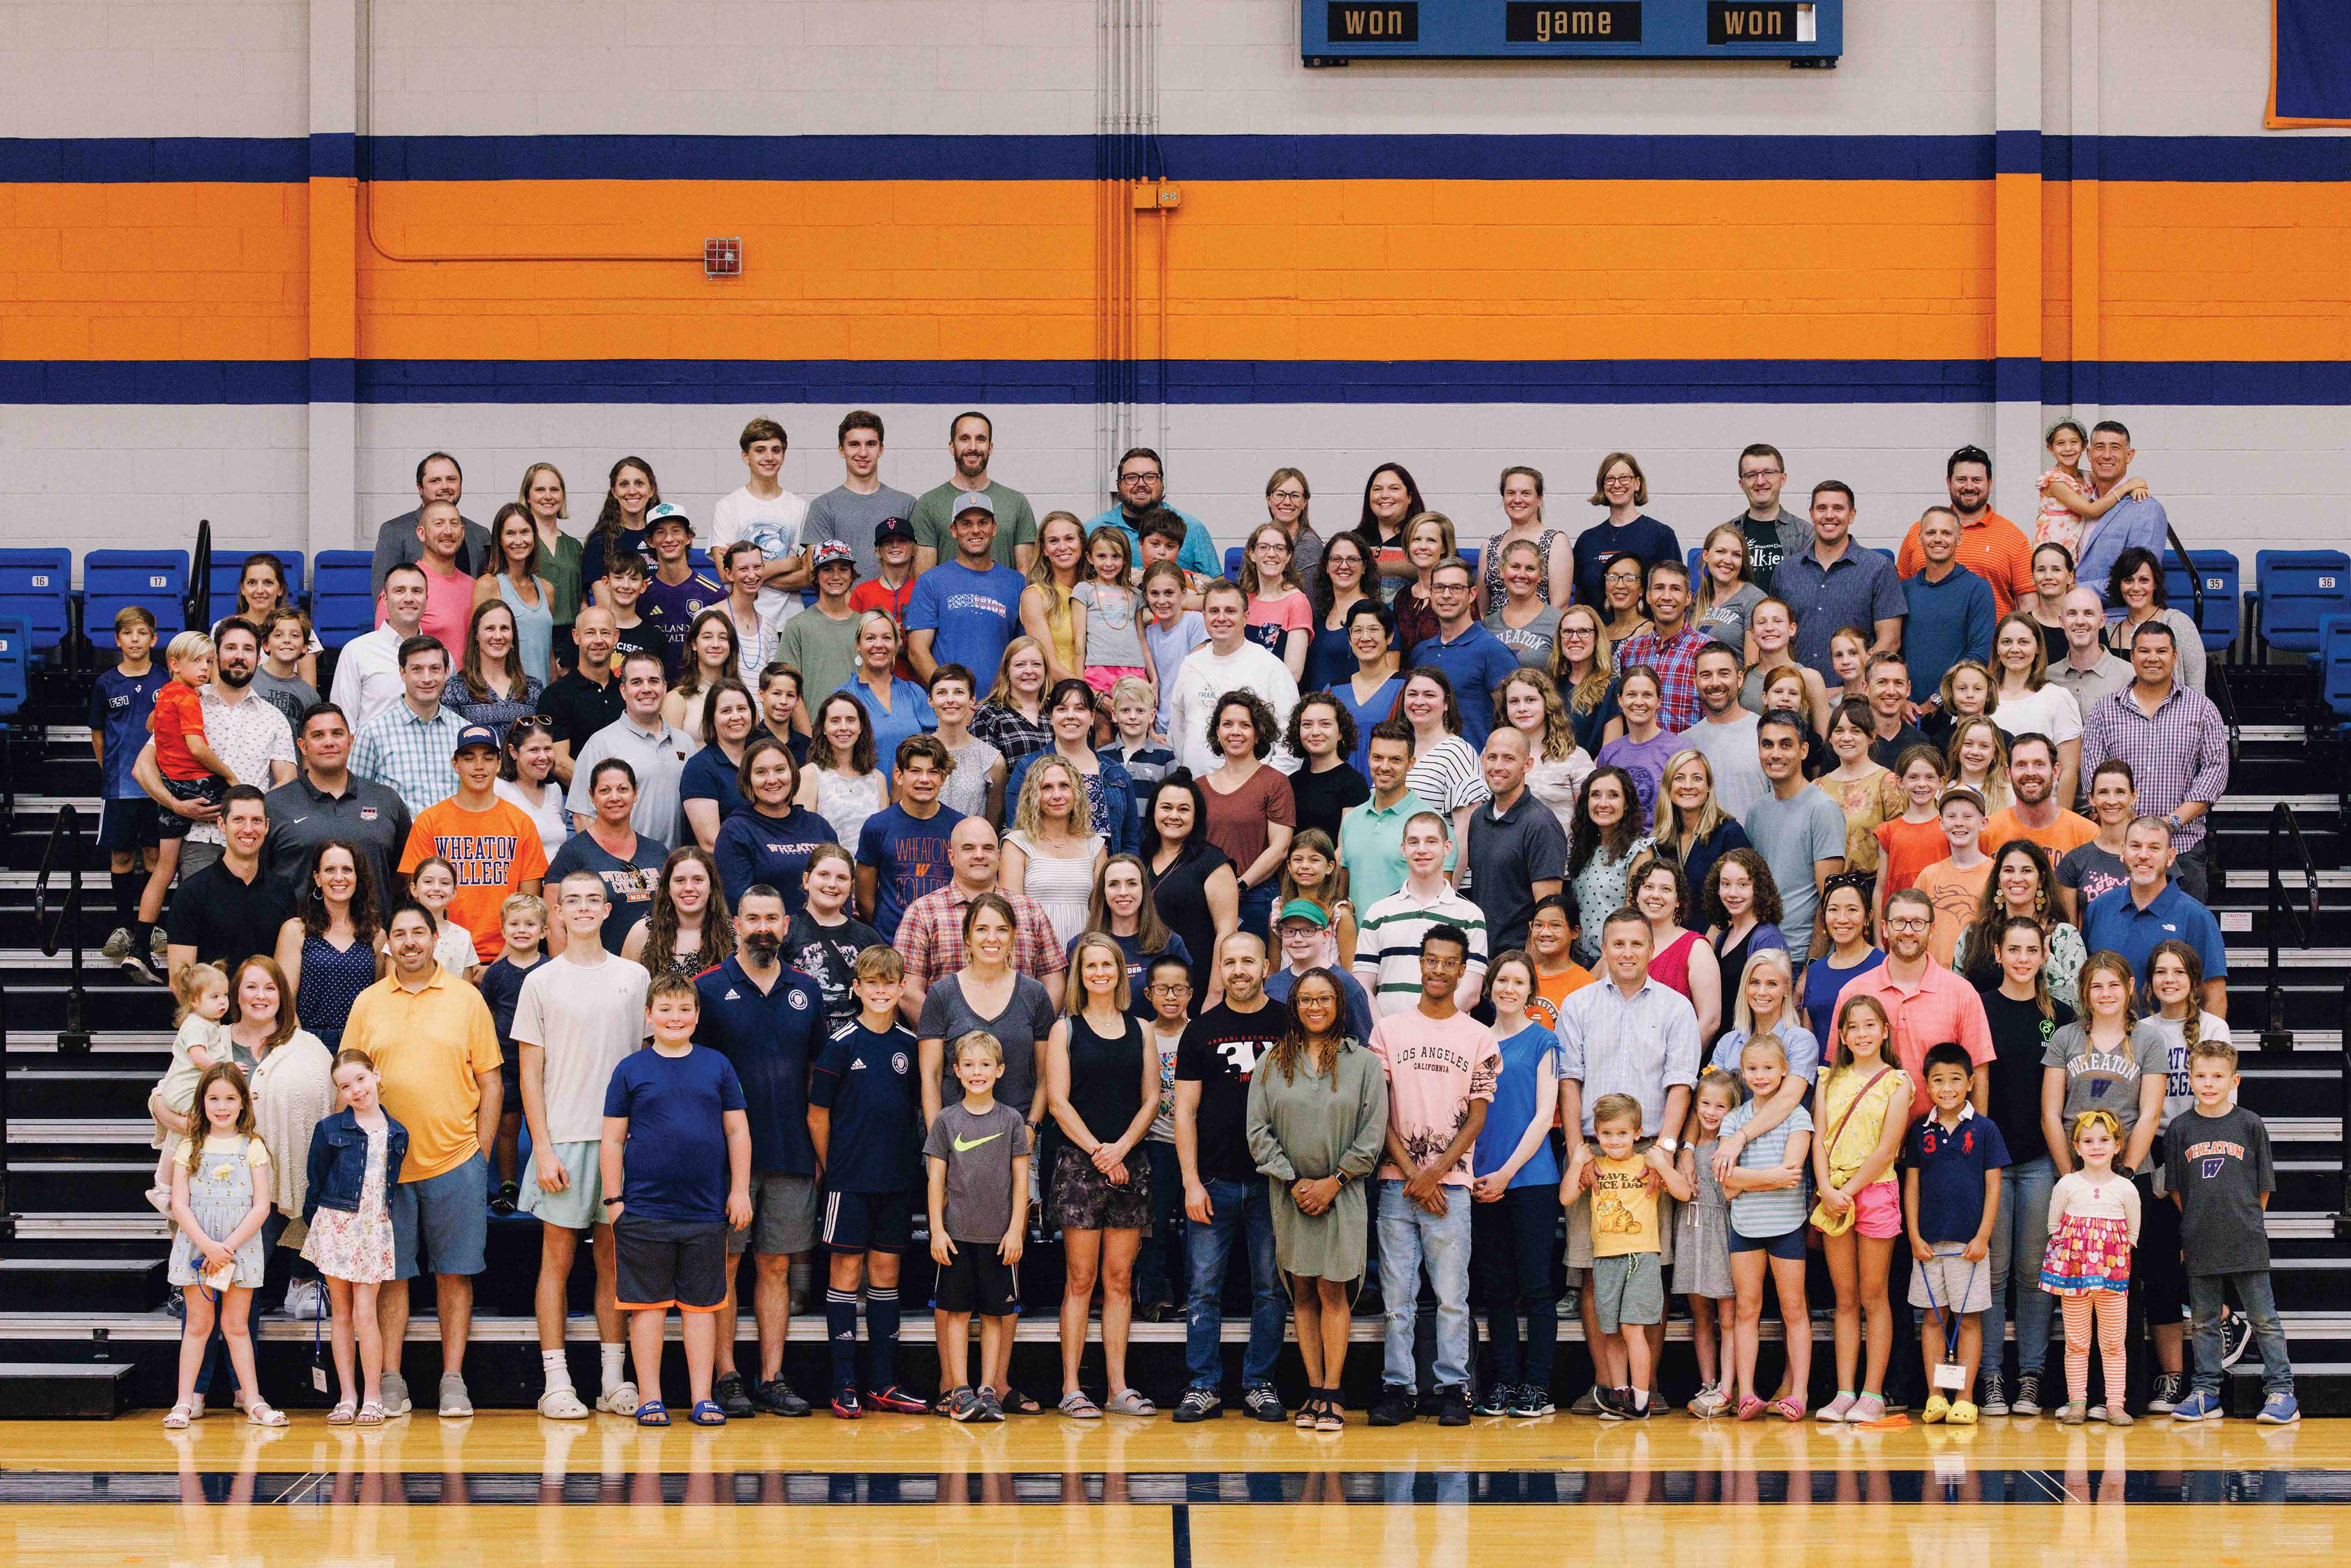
257, 257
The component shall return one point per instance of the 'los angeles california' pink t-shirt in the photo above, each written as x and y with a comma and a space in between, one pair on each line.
1434, 1068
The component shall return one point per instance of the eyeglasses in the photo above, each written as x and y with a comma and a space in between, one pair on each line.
1908, 923
1148, 477
1746, 475
1178, 989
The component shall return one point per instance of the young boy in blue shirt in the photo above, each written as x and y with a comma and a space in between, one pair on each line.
1951, 1199
129, 825
865, 1117
677, 1150
522, 920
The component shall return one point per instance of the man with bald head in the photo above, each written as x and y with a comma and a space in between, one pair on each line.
2088, 670
930, 937
1518, 851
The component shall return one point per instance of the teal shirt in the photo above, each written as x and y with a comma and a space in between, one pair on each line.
1371, 846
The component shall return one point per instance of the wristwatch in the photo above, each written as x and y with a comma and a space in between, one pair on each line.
1341, 1177
1671, 1145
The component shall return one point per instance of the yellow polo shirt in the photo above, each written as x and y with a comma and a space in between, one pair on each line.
430, 1046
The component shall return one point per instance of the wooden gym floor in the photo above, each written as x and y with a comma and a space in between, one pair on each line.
513, 1489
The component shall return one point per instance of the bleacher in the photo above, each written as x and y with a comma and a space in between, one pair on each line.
81, 1256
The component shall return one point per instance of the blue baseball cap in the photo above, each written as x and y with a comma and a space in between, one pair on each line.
474, 735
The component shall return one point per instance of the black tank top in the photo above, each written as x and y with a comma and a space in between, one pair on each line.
1105, 1077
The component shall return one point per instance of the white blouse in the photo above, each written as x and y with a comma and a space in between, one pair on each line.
2051, 711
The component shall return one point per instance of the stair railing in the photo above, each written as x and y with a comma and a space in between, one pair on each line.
2285, 833
7, 1214
199, 603
65, 929
2343, 1203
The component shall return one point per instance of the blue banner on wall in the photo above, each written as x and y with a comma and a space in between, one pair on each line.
2309, 67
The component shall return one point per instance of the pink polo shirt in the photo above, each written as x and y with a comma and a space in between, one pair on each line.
1942, 1006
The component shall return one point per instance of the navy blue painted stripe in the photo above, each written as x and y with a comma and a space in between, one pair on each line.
2190, 158
1227, 382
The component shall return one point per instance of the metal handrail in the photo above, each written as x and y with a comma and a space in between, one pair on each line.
2283, 829
199, 602
55, 933
2343, 1204
7, 1214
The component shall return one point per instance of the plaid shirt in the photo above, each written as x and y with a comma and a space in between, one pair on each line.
411, 755
1004, 729
2177, 754
1674, 659
249, 735
930, 936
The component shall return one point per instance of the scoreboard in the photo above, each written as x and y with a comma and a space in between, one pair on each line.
1802, 31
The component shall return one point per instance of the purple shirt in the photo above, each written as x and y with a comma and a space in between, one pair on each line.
1646, 761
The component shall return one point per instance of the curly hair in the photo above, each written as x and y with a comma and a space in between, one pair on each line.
1767, 907
1670, 867
1345, 721
1028, 816
1261, 722
1588, 838
662, 922
1982, 936
1290, 1050
1558, 735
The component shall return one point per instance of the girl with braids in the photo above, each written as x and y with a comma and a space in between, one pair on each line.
1317, 1121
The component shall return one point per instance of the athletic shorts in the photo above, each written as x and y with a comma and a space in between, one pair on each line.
133, 825
977, 1280
209, 789
867, 1221
1788, 1244
1628, 1289
442, 1225
665, 1263
783, 1216
579, 1205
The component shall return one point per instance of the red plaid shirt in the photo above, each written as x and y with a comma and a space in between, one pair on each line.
1676, 661
930, 936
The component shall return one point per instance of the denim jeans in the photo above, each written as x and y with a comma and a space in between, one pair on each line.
1159, 1262
2258, 1297
1245, 1209
1509, 1250
2018, 1238
1408, 1233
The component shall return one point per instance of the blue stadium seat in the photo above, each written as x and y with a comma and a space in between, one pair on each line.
113, 579
342, 604
15, 666
228, 571
2334, 664
2298, 590
2223, 601
36, 586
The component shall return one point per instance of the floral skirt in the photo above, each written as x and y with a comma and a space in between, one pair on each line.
2086, 1255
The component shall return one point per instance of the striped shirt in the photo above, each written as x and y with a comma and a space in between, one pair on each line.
1388, 943
411, 755
1777, 1210
1448, 775
2177, 754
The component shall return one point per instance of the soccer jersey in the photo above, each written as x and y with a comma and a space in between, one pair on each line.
866, 1080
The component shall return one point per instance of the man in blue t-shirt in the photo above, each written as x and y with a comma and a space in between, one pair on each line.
1473, 659
901, 851
128, 823
865, 1117
2152, 908
766, 1021
965, 611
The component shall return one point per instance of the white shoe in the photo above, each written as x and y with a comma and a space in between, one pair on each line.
305, 1302
562, 1404
395, 1394
621, 1399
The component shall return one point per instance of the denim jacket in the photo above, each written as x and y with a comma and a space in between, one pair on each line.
339, 1156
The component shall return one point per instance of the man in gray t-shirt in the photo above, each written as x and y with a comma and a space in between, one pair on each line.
1798, 830
978, 1149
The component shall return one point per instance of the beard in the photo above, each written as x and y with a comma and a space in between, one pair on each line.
235, 678
761, 946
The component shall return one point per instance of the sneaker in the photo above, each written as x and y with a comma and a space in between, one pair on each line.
118, 945
1637, 1408
991, 1405
728, 1394
1995, 1395
1199, 1405
2098, 1411
2072, 1414
962, 1405
1453, 1405
2027, 1395
305, 1302
395, 1394
2280, 1410
2169, 1388
1938, 1409
456, 1404
1869, 1408
159, 942
1710, 1403
898, 1401
2236, 1338
1494, 1399
1264, 1403
1529, 1400
844, 1403
1837, 1409
146, 969
2200, 1406
1586, 1403
1615, 1404
1394, 1408
777, 1397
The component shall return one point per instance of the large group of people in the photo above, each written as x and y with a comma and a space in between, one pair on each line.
1367, 927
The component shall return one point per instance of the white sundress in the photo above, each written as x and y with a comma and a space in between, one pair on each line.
1062, 886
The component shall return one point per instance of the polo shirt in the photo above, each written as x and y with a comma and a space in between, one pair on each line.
1947, 621
1950, 1163
772, 1038
579, 707
431, 1045
1992, 548
1508, 851
658, 754
1476, 662
1859, 588
1388, 941
1371, 846
1942, 1008
367, 815
411, 755
2114, 921
2091, 686
1642, 1045
227, 919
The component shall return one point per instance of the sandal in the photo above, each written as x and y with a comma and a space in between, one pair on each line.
178, 1418
1078, 1408
343, 1414
1309, 1411
1020, 1404
1751, 1408
1130, 1402
706, 1413
652, 1413
370, 1413
261, 1413
1791, 1408
1332, 1416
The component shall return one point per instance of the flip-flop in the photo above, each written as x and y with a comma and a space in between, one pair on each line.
706, 1413
652, 1413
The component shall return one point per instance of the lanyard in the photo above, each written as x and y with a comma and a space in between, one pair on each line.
1951, 1318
